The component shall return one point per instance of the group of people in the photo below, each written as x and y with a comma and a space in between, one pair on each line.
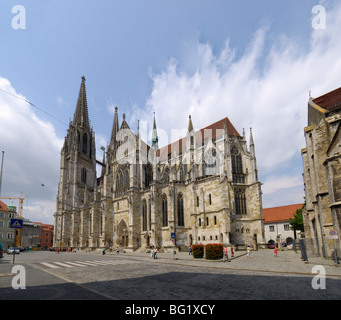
153, 252
225, 254
110, 250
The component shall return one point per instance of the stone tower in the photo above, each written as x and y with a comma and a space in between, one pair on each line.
77, 172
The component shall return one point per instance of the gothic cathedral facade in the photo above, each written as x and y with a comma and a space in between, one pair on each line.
202, 188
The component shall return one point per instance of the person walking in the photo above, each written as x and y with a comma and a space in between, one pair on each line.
152, 253
155, 253
248, 250
117, 251
189, 250
232, 252
225, 255
275, 252
103, 251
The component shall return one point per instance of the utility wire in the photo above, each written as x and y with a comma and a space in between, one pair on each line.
40, 109
32, 104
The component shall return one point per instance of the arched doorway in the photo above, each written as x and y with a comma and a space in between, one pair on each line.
122, 234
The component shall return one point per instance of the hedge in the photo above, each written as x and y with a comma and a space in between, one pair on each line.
214, 251
198, 250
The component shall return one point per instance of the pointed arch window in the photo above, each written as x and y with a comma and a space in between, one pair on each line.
237, 166
180, 203
183, 172
148, 175
122, 181
164, 211
212, 162
165, 175
240, 202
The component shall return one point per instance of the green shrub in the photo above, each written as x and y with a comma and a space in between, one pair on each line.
214, 251
198, 250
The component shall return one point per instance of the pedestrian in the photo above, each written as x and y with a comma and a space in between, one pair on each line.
117, 251
152, 253
225, 257
189, 250
155, 253
248, 252
103, 251
232, 252
275, 252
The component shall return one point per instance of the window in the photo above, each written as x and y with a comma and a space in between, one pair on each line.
165, 176
164, 211
144, 215
199, 222
240, 201
148, 175
210, 199
207, 221
237, 166
272, 228
286, 227
83, 176
197, 201
85, 143
212, 163
122, 181
183, 172
215, 219
181, 222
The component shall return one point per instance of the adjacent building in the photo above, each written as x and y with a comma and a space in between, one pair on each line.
277, 223
322, 174
202, 188
7, 234
46, 236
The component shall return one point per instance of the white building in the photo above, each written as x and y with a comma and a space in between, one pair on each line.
276, 223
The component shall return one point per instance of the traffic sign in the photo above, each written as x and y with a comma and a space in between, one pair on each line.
16, 223
173, 235
333, 234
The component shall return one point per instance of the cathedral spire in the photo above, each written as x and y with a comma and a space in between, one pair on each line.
190, 124
115, 128
81, 116
155, 138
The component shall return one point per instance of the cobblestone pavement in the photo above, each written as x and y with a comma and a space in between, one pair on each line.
135, 276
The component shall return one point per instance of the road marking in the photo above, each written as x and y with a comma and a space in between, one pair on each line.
63, 264
50, 265
77, 264
92, 263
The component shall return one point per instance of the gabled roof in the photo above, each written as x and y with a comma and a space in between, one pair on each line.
3, 206
213, 131
329, 101
280, 214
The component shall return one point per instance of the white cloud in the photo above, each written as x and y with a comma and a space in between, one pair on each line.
272, 98
32, 154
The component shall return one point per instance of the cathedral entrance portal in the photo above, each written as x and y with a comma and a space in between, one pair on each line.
122, 234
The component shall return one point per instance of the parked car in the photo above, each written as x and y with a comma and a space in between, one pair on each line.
1, 251
12, 250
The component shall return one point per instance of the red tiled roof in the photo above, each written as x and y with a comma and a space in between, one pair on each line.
3, 206
280, 214
212, 131
329, 101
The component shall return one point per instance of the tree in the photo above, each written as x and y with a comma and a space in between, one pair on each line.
297, 222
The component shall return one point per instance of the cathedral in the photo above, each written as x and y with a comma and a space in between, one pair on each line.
202, 188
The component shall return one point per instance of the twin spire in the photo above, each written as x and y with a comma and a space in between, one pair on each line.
81, 118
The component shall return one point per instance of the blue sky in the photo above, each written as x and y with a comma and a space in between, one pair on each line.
252, 61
